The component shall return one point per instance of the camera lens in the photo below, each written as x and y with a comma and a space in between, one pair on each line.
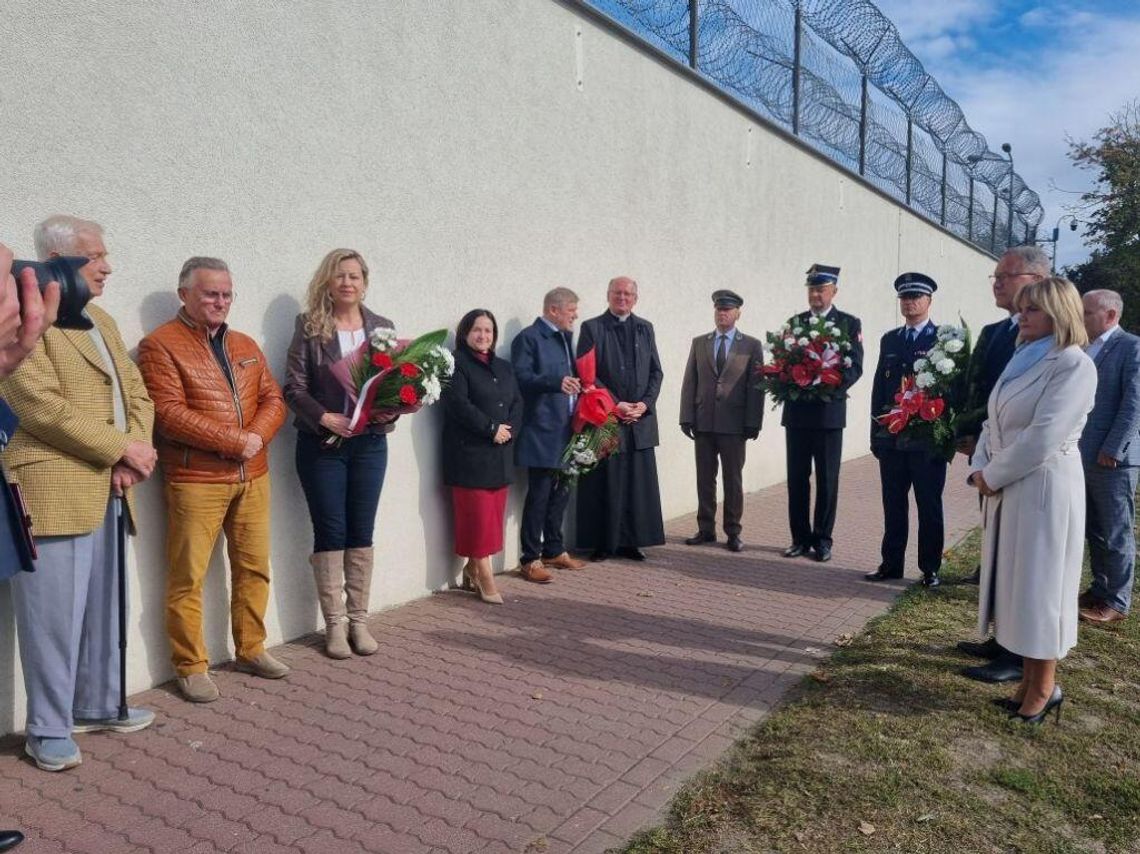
74, 294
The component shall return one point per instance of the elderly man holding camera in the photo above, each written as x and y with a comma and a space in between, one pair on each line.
24, 315
84, 440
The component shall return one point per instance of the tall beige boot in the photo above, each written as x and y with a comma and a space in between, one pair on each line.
358, 582
328, 571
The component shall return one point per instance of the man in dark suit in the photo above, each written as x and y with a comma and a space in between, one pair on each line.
24, 316
1110, 451
907, 462
544, 367
1018, 267
813, 430
722, 407
619, 502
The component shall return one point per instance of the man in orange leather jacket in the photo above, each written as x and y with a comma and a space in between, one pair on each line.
216, 409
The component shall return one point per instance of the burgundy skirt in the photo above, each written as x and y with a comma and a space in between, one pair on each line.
478, 520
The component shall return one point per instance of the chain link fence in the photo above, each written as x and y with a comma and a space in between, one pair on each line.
837, 75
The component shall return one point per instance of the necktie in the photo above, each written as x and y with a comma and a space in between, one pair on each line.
571, 399
911, 336
721, 354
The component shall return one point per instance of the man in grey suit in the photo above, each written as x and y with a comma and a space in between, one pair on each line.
721, 409
1111, 454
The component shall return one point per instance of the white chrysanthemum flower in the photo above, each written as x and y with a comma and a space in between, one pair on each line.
432, 389
920, 364
846, 345
585, 457
799, 330
828, 325
847, 361
789, 342
803, 342
813, 334
924, 380
946, 366
954, 345
382, 338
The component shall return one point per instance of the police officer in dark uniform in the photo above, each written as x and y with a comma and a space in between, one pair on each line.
813, 430
907, 462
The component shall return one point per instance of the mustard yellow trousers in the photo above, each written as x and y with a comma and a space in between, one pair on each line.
195, 514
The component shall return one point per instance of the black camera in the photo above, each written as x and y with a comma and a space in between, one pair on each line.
74, 293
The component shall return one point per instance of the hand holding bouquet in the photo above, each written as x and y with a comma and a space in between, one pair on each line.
924, 402
387, 376
807, 361
595, 425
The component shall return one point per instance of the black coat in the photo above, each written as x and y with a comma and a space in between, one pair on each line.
992, 351
831, 414
642, 382
478, 399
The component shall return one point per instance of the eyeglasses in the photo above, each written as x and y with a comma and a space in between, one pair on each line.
1001, 277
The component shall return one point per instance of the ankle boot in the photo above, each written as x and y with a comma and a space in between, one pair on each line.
358, 583
328, 571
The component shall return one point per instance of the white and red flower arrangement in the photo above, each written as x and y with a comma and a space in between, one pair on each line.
596, 431
924, 403
807, 360
388, 376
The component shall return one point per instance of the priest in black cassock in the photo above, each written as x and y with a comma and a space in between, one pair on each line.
619, 503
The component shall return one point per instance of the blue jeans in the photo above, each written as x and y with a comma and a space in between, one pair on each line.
342, 488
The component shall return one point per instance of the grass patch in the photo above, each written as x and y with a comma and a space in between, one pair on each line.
886, 748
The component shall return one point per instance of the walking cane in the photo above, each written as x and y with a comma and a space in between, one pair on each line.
122, 537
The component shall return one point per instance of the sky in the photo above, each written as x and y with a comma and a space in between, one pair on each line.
1031, 74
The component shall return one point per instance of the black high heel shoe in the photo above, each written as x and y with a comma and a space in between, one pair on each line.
1055, 701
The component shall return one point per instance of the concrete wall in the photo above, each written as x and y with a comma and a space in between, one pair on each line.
478, 152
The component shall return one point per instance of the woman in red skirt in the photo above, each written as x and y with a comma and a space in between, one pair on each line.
482, 410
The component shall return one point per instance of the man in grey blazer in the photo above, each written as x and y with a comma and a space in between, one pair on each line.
721, 409
1111, 454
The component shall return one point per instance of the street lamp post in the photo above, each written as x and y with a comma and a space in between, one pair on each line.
1056, 236
1008, 149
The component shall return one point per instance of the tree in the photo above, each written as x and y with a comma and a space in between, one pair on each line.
1111, 210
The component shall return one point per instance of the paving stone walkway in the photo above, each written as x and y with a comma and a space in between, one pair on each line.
563, 721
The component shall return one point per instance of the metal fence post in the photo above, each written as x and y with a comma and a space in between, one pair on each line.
864, 103
694, 32
909, 155
970, 213
796, 66
942, 216
993, 227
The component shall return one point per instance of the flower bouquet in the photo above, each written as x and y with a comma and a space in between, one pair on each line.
595, 424
807, 361
388, 376
924, 407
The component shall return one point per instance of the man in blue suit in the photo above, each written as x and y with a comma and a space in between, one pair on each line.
544, 367
907, 462
1110, 451
24, 316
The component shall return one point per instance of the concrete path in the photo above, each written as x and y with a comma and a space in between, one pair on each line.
562, 721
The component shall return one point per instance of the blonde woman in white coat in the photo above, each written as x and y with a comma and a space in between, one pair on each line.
1029, 469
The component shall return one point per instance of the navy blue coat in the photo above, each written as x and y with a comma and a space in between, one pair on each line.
541, 357
832, 414
896, 360
14, 554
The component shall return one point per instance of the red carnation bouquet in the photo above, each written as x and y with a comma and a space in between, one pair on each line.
807, 360
923, 406
388, 376
595, 425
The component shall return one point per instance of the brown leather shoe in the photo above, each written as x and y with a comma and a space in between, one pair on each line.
564, 561
1102, 614
536, 572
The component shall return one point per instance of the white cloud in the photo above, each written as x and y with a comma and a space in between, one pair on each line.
920, 21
